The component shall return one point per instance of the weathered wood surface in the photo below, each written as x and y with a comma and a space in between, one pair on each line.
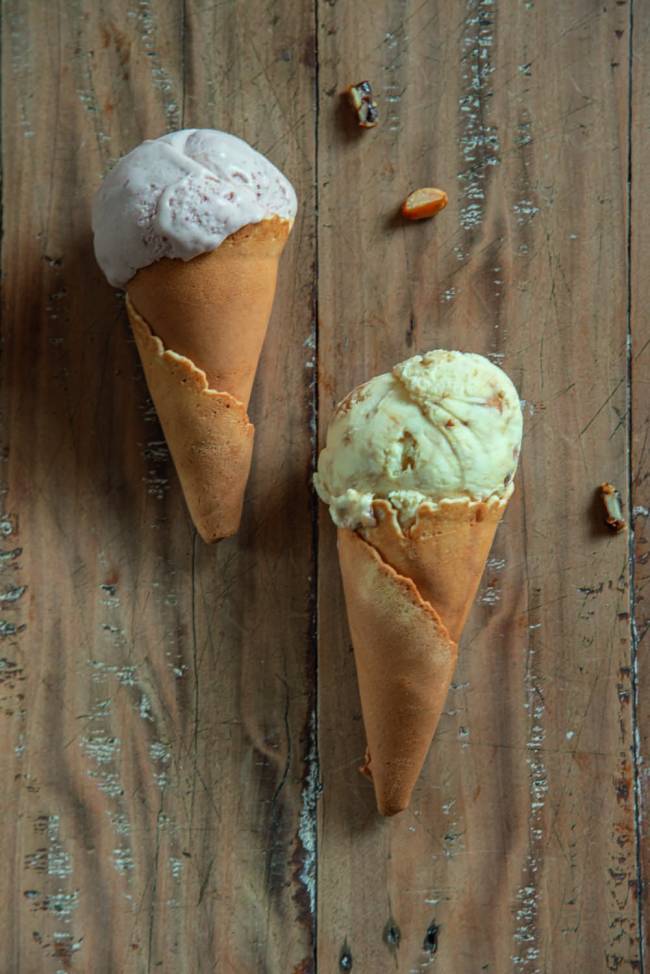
160, 757
639, 501
519, 850
157, 693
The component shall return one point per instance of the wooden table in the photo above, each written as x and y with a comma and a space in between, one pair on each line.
180, 725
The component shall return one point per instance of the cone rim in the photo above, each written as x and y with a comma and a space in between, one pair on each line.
197, 375
384, 510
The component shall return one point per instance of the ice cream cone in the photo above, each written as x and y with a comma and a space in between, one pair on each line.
192, 226
215, 308
199, 327
444, 552
408, 593
417, 471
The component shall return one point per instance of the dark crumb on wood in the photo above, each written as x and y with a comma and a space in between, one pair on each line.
611, 500
362, 101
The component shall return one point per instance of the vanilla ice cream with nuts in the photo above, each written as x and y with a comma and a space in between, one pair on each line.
180, 196
442, 426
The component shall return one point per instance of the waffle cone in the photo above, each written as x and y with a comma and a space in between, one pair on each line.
199, 326
208, 433
408, 595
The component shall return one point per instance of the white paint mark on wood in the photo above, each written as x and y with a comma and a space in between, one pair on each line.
496, 357
307, 819
157, 486
122, 860
144, 19
99, 744
160, 751
12, 594
160, 754
156, 450
126, 675
108, 782
21, 745
496, 564
524, 134
525, 211
20, 45
144, 707
489, 595
392, 92
120, 822
52, 861
156, 453
463, 737
527, 949
62, 904
101, 749
479, 141
59, 862
452, 841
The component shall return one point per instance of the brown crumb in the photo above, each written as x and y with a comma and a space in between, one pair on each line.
361, 98
613, 510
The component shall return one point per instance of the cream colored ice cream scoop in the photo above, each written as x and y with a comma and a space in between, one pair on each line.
446, 425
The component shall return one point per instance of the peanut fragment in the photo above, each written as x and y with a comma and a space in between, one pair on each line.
612, 504
360, 97
423, 203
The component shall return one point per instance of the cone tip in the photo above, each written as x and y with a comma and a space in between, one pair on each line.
392, 807
214, 533
390, 803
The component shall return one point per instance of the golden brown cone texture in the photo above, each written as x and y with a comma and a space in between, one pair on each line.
208, 433
199, 326
407, 597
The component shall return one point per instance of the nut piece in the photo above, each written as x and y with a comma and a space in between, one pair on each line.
423, 203
360, 97
612, 503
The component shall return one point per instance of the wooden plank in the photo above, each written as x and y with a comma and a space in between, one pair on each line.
639, 497
518, 852
157, 701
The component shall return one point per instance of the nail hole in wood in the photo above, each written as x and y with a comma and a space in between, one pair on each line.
392, 935
431, 938
345, 958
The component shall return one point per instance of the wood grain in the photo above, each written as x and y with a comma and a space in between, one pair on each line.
157, 694
518, 852
639, 376
160, 758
